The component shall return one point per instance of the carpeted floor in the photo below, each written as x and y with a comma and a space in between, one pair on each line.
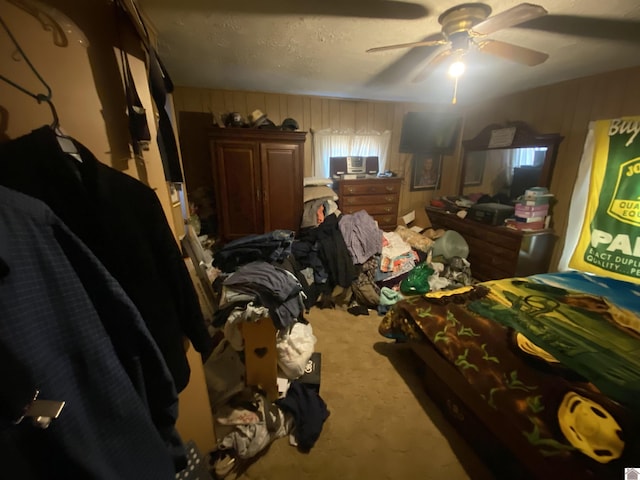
382, 425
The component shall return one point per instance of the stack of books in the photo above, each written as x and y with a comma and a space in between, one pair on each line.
531, 211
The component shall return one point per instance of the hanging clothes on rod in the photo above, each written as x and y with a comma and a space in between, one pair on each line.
95, 302
138, 126
122, 221
160, 85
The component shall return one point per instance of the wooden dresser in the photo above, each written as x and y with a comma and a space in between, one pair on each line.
378, 196
495, 251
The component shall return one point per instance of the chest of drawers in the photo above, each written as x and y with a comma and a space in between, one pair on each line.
377, 196
495, 251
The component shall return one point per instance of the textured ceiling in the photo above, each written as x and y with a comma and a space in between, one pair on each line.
317, 47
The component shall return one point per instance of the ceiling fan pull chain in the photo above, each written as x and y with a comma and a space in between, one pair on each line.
455, 91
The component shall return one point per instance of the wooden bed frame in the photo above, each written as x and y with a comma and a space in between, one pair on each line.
504, 449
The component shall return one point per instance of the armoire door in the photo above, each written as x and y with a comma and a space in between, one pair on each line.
282, 182
239, 190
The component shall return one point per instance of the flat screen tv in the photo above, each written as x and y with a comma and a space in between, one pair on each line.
429, 132
524, 178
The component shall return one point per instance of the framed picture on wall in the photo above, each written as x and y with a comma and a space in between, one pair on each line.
425, 171
473, 172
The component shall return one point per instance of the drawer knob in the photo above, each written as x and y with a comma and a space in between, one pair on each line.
388, 209
350, 190
389, 199
455, 410
390, 188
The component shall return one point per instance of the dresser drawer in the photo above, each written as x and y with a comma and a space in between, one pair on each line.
471, 229
385, 209
386, 222
493, 248
504, 267
373, 188
483, 270
370, 200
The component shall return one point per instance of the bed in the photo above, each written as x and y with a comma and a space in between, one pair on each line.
541, 374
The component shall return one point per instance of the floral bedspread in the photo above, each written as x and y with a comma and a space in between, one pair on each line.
557, 354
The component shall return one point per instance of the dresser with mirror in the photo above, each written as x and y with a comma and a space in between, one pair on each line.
498, 165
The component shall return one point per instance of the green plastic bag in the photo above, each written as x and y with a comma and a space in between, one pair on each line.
417, 282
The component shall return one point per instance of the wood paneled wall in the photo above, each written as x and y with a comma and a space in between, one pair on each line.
85, 80
565, 108
317, 113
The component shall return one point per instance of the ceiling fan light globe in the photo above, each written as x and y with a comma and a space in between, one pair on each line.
456, 69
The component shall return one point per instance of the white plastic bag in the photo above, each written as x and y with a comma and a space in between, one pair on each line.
294, 349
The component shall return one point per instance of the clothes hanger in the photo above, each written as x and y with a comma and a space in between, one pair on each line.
66, 143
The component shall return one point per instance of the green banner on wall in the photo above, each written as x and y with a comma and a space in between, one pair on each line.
609, 243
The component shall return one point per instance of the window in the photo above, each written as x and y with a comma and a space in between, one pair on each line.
330, 143
528, 157
523, 157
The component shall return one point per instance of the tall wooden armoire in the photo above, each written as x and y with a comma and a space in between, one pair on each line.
258, 177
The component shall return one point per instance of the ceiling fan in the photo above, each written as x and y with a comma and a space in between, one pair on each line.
467, 26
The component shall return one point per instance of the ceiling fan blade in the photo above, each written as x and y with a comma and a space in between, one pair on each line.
514, 16
385, 9
432, 65
590, 27
429, 43
515, 53
402, 67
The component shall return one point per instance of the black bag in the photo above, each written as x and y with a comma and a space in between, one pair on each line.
138, 126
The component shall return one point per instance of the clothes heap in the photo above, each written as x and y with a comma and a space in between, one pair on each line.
336, 260
349, 262
257, 280
345, 260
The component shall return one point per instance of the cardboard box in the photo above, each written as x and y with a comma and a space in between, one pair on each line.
311, 375
416, 220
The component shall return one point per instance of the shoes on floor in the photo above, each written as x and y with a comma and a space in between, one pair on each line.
222, 463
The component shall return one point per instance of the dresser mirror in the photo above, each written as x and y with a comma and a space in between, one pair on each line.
502, 161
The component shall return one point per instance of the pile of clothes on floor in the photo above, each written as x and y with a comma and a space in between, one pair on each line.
346, 261
256, 279
336, 260
349, 262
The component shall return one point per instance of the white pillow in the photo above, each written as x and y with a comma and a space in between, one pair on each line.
311, 181
317, 192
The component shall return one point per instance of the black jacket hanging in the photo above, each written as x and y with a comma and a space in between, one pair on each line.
122, 221
160, 84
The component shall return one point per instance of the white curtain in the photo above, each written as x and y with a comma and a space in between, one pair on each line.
578, 204
332, 143
521, 157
